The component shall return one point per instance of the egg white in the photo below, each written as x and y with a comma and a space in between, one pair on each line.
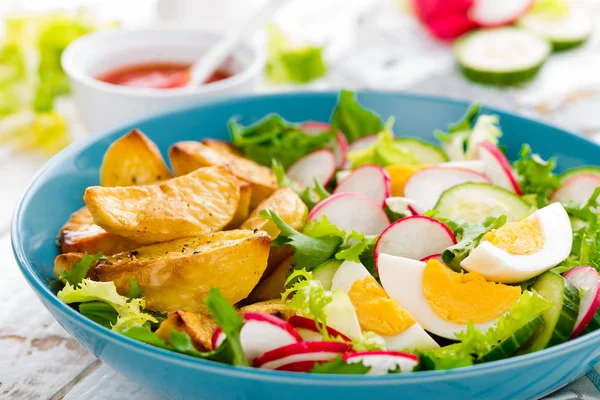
499, 265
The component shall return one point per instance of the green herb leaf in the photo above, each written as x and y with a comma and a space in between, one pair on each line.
467, 120
100, 312
309, 196
535, 175
307, 297
454, 142
80, 268
352, 119
339, 366
134, 290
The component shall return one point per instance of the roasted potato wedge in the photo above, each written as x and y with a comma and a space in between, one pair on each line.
222, 146
273, 285
199, 327
274, 306
188, 156
80, 234
200, 202
133, 159
243, 209
177, 275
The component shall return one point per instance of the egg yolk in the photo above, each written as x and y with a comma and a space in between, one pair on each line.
458, 297
399, 175
376, 311
523, 237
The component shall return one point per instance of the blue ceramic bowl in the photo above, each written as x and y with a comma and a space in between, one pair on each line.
57, 191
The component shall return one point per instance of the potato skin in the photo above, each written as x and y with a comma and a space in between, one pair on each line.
199, 326
177, 275
272, 286
200, 202
243, 209
188, 156
133, 159
274, 307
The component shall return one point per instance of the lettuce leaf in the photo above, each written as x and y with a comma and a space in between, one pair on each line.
370, 341
454, 142
89, 290
273, 138
99, 312
311, 196
535, 175
80, 268
352, 119
288, 64
339, 366
307, 297
486, 129
134, 290
131, 314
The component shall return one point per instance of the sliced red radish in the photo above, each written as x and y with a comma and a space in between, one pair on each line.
307, 328
426, 186
579, 188
370, 180
427, 10
491, 13
437, 257
451, 26
400, 205
587, 280
497, 168
342, 174
363, 142
340, 146
288, 357
319, 165
473, 165
414, 237
352, 211
382, 362
261, 333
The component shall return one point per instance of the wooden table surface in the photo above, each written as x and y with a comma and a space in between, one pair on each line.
39, 360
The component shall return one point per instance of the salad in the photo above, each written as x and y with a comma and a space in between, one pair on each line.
337, 247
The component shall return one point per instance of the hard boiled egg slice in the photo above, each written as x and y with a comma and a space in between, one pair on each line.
441, 300
377, 312
521, 250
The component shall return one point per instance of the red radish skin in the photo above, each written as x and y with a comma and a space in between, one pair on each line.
319, 165
414, 237
451, 26
301, 352
585, 277
363, 142
497, 168
340, 148
371, 220
370, 180
427, 10
433, 257
260, 334
578, 188
299, 322
494, 13
381, 362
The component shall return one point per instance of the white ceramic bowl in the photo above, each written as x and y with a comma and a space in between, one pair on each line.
104, 105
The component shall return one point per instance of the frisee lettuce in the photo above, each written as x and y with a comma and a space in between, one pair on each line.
486, 129
134, 290
80, 268
454, 142
307, 297
311, 196
353, 119
339, 366
535, 175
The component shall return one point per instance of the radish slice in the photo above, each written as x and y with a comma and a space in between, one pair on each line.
426, 186
490, 13
433, 257
352, 211
429, 9
340, 145
305, 325
319, 165
579, 188
287, 357
473, 165
450, 26
586, 278
382, 362
261, 333
497, 168
342, 174
414, 237
363, 142
400, 205
370, 180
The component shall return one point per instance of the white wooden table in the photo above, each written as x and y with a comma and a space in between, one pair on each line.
39, 360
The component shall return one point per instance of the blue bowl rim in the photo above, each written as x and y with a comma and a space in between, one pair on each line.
43, 291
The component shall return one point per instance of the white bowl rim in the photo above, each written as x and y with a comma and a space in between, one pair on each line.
67, 61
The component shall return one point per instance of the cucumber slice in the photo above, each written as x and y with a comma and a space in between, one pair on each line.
565, 32
325, 272
510, 345
425, 153
559, 320
474, 202
589, 169
501, 56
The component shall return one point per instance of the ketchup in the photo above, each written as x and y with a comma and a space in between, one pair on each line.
156, 76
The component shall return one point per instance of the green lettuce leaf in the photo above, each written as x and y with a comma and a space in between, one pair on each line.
134, 290
486, 129
307, 297
99, 312
339, 366
311, 196
370, 341
131, 314
80, 268
535, 175
273, 138
454, 142
352, 119
89, 290
288, 64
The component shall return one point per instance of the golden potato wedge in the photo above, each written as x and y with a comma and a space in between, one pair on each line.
80, 234
133, 159
199, 327
188, 156
64, 262
177, 275
273, 285
243, 209
200, 202
222, 146
274, 306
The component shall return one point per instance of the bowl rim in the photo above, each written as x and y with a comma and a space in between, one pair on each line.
40, 286
248, 72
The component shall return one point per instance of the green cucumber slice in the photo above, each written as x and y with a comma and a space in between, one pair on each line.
588, 169
325, 272
510, 345
563, 32
501, 56
425, 153
559, 320
474, 202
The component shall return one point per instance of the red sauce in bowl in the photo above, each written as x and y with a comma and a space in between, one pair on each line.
156, 76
